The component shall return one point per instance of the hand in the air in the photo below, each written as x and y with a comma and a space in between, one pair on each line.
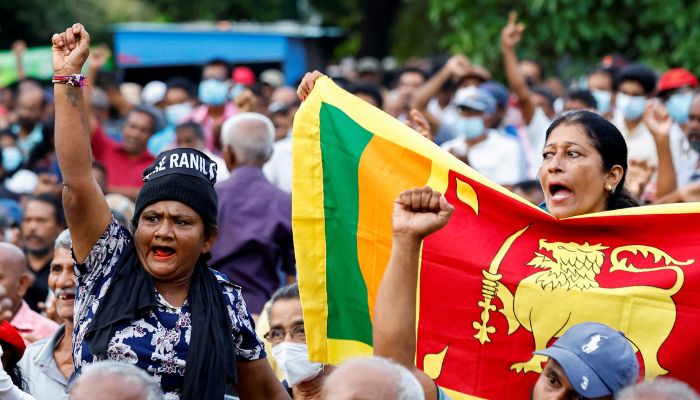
657, 119
19, 47
99, 57
417, 121
307, 84
420, 212
512, 32
458, 65
70, 49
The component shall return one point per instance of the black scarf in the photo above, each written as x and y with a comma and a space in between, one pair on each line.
211, 360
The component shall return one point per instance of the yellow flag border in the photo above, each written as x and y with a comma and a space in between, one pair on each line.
308, 224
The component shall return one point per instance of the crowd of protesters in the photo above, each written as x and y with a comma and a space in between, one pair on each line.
242, 122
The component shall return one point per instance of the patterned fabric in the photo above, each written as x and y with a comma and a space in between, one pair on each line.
159, 340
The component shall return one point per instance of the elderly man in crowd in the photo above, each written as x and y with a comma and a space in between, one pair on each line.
372, 378
254, 215
659, 389
287, 338
15, 279
47, 364
43, 220
111, 380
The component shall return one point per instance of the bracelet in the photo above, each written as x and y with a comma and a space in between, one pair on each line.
79, 80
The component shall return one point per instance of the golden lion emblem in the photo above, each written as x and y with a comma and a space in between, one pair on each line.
566, 293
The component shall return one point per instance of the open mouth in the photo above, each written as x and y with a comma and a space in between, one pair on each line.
163, 251
559, 192
65, 295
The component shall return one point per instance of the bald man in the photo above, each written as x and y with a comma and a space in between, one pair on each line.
254, 215
15, 280
372, 378
110, 380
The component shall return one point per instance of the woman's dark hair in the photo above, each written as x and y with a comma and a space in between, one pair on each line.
609, 143
12, 369
289, 292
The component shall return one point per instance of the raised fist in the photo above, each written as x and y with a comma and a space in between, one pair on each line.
70, 49
307, 84
657, 119
420, 212
458, 65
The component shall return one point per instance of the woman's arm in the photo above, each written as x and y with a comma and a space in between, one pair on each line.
87, 212
417, 213
256, 381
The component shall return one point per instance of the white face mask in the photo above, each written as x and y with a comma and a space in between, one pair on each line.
293, 360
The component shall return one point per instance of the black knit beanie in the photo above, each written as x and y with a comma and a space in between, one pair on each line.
184, 175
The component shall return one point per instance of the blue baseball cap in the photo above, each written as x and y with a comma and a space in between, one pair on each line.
597, 360
475, 99
498, 91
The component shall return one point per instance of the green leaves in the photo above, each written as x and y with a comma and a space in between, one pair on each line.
663, 34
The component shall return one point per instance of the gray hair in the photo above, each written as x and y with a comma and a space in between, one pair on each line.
250, 136
289, 292
132, 374
63, 241
407, 385
658, 389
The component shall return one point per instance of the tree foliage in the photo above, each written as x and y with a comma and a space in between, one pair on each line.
34, 21
568, 35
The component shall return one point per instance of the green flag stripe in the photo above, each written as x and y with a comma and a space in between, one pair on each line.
342, 144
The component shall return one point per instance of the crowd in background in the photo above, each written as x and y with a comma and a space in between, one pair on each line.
496, 127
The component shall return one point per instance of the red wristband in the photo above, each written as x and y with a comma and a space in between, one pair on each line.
74, 80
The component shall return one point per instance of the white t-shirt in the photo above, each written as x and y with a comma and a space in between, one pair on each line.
685, 159
640, 142
532, 147
278, 169
222, 172
498, 157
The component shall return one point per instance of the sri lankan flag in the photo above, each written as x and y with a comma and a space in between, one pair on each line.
632, 269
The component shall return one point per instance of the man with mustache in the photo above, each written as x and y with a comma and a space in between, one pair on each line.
47, 364
42, 222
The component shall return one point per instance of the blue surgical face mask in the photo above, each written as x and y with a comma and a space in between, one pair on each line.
11, 158
175, 113
602, 99
631, 106
470, 127
678, 106
213, 92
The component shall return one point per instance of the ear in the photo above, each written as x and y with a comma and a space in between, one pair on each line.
614, 177
25, 281
209, 242
229, 157
269, 155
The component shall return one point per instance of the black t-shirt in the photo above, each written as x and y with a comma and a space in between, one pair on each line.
40, 289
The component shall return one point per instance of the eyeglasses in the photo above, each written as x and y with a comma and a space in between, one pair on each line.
277, 335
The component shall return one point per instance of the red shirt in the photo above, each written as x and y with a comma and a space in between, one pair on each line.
122, 169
